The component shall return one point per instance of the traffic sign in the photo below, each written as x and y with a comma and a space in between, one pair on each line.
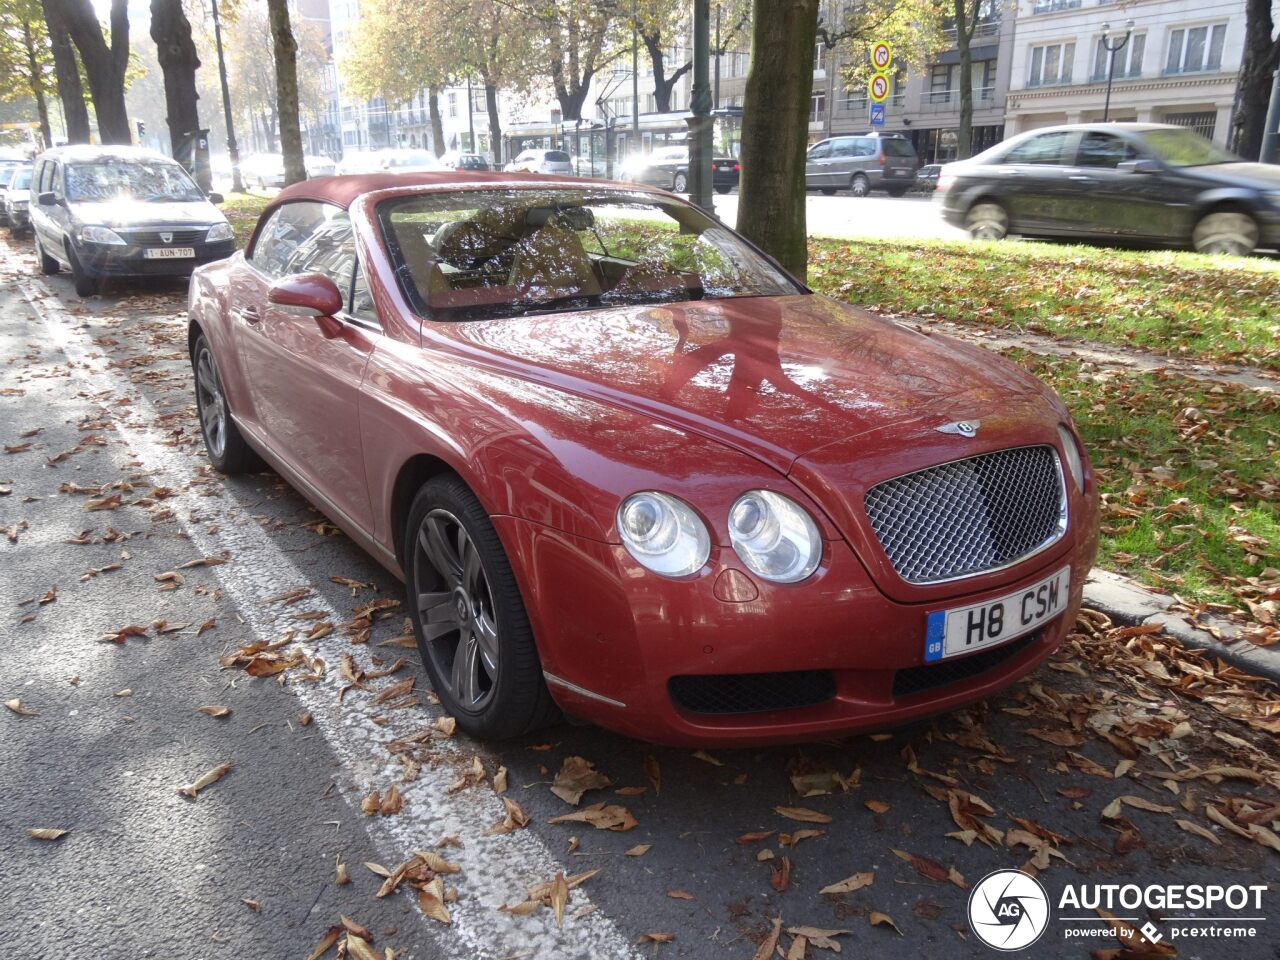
878, 88
881, 56
877, 114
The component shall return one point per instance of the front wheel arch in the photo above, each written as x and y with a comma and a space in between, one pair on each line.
412, 477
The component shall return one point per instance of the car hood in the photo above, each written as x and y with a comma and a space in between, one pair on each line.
1258, 176
775, 377
138, 213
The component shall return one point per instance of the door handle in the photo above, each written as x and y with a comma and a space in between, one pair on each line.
250, 314
1081, 178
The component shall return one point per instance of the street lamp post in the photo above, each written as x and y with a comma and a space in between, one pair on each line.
1111, 61
237, 184
700, 121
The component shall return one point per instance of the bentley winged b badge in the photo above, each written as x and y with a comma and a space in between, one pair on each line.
963, 428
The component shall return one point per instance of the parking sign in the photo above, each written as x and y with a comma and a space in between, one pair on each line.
877, 114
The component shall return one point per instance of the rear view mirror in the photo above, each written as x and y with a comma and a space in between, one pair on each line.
216, 198
1138, 166
306, 295
46, 199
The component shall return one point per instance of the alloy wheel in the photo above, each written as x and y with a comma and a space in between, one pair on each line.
1226, 232
987, 221
455, 604
680, 184
859, 186
210, 402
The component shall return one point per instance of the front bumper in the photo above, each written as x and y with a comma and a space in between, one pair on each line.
18, 218
613, 637
104, 260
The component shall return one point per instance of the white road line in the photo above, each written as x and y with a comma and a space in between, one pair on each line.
495, 870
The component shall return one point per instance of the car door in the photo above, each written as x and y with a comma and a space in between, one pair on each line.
43, 215
304, 376
1035, 182
1118, 199
816, 163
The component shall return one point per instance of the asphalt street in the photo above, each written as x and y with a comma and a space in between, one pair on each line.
913, 217
129, 569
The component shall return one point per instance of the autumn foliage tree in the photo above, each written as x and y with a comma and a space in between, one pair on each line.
26, 58
105, 59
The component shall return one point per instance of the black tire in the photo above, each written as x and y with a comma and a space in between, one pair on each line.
897, 191
859, 185
226, 446
680, 182
86, 284
48, 265
828, 191
507, 695
723, 189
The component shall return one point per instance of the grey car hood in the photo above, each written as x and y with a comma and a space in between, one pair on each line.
1255, 176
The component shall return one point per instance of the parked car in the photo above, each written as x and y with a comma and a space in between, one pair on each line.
407, 159
465, 161
927, 177
541, 161
589, 166
122, 211
263, 170
597, 504
1147, 182
861, 164
8, 173
318, 166
668, 167
17, 196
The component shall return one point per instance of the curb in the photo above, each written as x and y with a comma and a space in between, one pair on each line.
1128, 604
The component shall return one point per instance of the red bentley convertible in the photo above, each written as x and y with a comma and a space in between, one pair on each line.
629, 467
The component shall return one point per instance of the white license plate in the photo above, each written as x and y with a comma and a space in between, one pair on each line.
950, 633
170, 253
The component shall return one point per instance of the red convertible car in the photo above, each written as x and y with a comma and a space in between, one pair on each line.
628, 467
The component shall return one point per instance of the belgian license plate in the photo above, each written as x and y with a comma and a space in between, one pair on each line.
170, 253
950, 633
901, 173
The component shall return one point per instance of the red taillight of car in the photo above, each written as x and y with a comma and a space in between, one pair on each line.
737, 167
944, 182
883, 159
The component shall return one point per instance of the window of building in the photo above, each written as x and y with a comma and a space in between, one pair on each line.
940, 82
1194, 49
452, 101
1128, 58
1202, 123
1050, 6
984, 79
1051, 64
819, 51
817, 107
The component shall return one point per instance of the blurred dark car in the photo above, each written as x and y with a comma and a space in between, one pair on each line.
466, 161
10, 174
927, 177
16, 201
668, 167
1146, 182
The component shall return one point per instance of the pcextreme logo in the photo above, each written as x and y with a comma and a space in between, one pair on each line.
1008, 910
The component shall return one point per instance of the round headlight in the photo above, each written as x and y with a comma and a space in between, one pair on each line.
774, 536
1071, 450
663, 534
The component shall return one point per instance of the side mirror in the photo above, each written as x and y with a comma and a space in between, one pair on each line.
308, 295
216, 198
46, 199
1138, 166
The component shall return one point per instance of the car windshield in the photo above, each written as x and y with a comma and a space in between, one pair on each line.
21, 180
480, 254
1184, 148
157, 182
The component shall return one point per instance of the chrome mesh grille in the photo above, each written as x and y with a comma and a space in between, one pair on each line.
969, 516
152, 238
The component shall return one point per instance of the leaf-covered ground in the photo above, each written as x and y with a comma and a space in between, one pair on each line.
1190, 478
1182, 304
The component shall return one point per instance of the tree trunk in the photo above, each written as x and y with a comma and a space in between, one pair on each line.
70, 92
437, 125
573, 97
176, 52
104, 66
964, 35
36, 79
1261, 57
495, 122
662, 84
775, 129
286, 57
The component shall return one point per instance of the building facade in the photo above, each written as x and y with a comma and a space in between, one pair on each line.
1179, 65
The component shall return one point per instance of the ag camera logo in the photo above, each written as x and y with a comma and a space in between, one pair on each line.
1008, 910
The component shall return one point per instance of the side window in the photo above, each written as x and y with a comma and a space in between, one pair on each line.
361, 301
1047, 148
842, 148
864, 147
821, 151
1104, 150
283, 235
55, 181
